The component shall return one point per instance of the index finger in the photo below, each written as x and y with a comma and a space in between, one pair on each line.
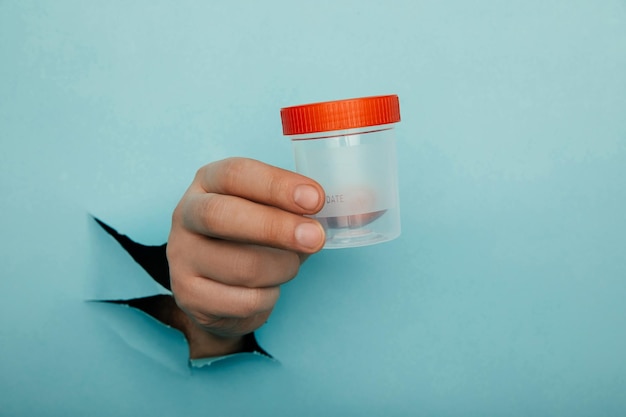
262, 183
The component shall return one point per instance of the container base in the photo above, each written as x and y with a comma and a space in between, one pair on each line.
355, 238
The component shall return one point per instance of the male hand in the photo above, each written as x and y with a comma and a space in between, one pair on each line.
237, 234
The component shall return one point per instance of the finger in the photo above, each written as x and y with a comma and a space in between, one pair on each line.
238, 264
262, 183
206, 299
236, 219
230, 328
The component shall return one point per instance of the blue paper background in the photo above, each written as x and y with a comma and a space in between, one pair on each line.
505, 295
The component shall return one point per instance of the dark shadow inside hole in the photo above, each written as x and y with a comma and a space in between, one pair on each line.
163, 307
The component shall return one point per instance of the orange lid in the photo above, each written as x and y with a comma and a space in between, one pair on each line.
341, 114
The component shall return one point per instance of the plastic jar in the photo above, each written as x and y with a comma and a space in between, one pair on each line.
348, 147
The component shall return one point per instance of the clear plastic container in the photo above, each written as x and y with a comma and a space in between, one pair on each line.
348, 146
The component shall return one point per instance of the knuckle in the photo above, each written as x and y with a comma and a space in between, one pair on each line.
232, 170
200, 172
178, 290
263, 269
212, 211
175, 247
275, 230
276, 187
253, 301
246, 268
250, 303
176, 215
172, 253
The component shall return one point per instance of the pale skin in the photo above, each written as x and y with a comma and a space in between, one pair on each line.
238, 233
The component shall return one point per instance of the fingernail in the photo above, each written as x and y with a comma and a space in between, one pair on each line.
306, 197
309, 235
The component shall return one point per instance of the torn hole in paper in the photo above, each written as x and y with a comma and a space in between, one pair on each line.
163, 307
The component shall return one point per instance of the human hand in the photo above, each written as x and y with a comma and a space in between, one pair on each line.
237, 234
